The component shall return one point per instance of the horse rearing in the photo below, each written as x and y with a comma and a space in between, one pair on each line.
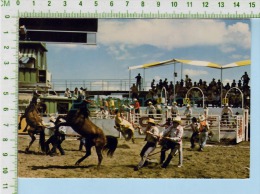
35, 122
78, 119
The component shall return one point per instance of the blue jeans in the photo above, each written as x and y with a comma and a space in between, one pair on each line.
203, 139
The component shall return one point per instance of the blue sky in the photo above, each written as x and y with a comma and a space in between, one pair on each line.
128, 42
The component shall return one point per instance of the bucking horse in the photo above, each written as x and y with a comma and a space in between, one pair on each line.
34, 120
78, 119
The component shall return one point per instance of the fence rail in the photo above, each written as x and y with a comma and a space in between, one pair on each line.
96, 84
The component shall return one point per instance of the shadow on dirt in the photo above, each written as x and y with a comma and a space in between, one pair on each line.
30, 152
60, 167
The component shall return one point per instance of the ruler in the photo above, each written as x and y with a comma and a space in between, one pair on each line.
11, 10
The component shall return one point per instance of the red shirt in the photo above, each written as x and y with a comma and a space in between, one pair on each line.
136, 105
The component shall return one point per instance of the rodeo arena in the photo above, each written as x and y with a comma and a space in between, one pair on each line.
171, 124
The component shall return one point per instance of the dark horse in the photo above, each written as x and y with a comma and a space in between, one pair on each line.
78, 119
35, 122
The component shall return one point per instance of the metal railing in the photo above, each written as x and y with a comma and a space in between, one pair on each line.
96, 84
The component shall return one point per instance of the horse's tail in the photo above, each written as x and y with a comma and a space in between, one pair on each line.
111, 145
42, 140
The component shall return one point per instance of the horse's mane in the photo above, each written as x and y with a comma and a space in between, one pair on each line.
81, 107
84, 110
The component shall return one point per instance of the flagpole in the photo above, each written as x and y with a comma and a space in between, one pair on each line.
221, 87
174, 82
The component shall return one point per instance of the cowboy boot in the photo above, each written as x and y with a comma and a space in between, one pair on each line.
162, 157
166, 163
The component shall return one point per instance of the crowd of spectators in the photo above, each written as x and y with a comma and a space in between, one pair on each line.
211, 91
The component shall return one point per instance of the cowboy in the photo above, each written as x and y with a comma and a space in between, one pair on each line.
56, 139
175, 109
203, 132
152, 133
173, 140
122, 125
150, 110
136, 106
226, 113
195, 131
188, 113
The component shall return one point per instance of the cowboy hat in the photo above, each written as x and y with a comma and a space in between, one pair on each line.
188, 105
174, 103
226, 104
177, 119
202, 118
150, 102
135, 99
150, 120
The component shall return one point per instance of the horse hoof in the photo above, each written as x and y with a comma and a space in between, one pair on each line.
77, 164
26, 150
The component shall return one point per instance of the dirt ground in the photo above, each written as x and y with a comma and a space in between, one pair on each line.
216, 161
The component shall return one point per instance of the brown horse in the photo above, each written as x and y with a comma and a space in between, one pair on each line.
78, 119
35, 122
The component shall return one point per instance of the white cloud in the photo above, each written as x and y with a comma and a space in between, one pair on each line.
225, 81
193, 73
157, 78
170, 34
59, 47
236, 56
238, 35
227, 49
120, 52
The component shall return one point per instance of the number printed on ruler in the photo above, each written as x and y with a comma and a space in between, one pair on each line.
137, 8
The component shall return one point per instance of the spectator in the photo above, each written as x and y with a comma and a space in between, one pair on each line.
153, 84
165, 84
239, 84
105, 104
138, 81
76, 93
233, 84
245, 78
111, 105
82, 92
213, 82
134, 91
67, 93
186, 80
227, 86
189, 84
170, 87
160, 85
